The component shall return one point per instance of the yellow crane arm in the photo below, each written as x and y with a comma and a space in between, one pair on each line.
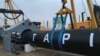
11, 8
74, 14
93, 19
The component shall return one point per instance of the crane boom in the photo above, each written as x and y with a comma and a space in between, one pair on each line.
74, 13
11, 8
93, 19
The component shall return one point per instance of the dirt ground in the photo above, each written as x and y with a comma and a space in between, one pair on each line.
38, 52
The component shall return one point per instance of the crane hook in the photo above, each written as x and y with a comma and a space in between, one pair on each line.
64, 2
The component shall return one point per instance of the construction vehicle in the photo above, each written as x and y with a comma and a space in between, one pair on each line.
90, 22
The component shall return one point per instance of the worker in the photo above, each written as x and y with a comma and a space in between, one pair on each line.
13, 36
16, 41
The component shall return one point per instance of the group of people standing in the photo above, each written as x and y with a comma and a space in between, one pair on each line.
16, 41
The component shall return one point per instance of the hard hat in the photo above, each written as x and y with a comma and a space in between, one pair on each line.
18, 33
13, 33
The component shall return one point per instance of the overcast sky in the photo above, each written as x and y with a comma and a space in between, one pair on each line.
43, 10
